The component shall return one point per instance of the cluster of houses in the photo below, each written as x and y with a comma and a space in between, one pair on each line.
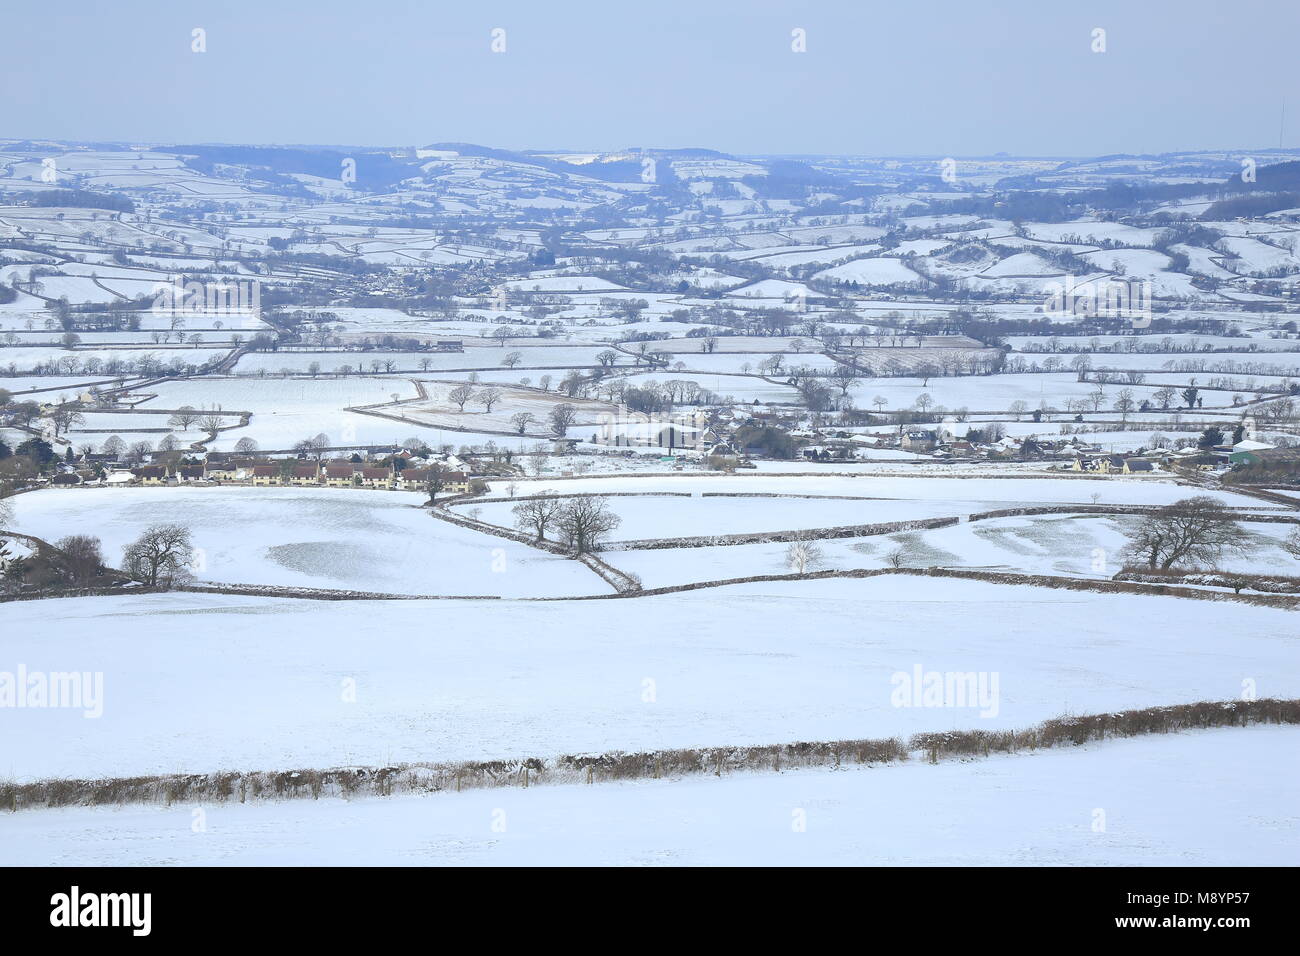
402, 472
1071, 453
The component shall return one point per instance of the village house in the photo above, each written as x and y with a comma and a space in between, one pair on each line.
220, 468
918, 441
1109, 465
305, 474
266, 475
150, 474
339, 474
371, 477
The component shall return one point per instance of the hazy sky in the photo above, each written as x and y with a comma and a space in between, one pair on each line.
935, 77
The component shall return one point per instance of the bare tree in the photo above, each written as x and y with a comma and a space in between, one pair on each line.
460, 396
1292, 543
438, 473
489, 397
183, 418
160, 557
899, 557
562, 416
584, 521
538, 513
65, 415
1193, 531
804, 556
521, 421
538, 459
137, 452
1125, 404
846, 377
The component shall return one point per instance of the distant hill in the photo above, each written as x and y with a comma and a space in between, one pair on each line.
375, 170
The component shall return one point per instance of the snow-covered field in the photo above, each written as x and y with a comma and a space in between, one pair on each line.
1208, 798
286, 411
196, 682
998, 392
1088, 546
488, 648
963, 494
491, 358
353, 539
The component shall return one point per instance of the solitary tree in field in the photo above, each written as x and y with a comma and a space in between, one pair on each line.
489, 397
803, 556
183, 418
1194, 531
562, 416
521, 421
1125, 404
160, 557
512, 359
846, 377
900, 556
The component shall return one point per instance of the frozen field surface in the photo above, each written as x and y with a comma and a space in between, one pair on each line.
353, 539
1222, 797
204, 682
1057, 544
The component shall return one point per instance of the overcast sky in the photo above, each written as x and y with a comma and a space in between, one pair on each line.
929, 77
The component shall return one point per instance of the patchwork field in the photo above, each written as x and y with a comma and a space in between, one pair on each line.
1206, 798
203, 682
352, 539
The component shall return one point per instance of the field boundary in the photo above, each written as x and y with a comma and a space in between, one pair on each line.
436, 777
